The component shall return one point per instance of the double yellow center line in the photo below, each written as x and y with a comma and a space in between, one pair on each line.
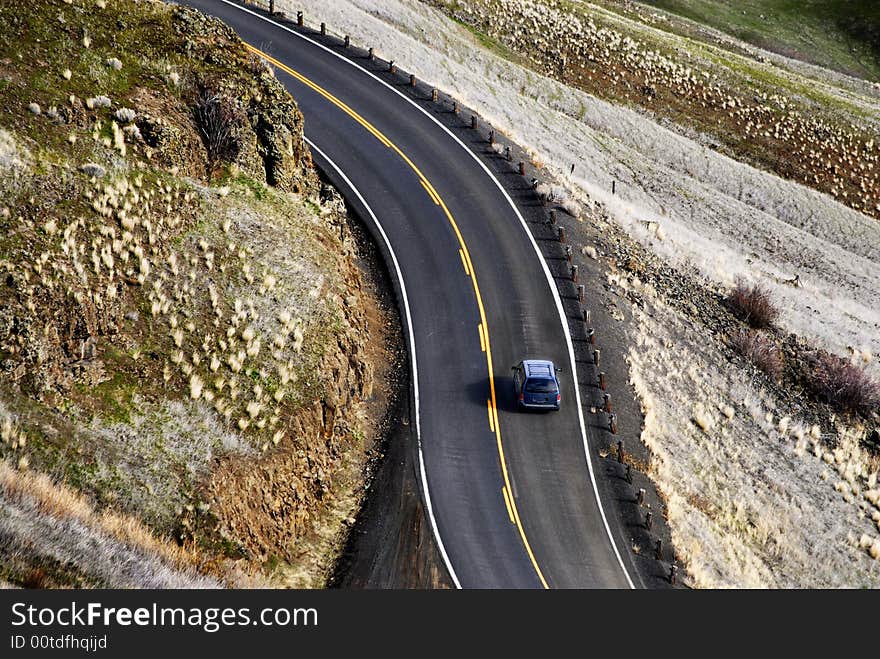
506, 491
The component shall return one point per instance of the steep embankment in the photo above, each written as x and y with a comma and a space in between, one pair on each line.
186, 341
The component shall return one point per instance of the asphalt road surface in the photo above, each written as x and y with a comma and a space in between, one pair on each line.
511, 500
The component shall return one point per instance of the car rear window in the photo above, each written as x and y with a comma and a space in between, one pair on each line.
540, 386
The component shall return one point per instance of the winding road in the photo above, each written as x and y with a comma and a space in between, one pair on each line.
511, 496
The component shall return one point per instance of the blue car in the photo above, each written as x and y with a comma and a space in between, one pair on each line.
536, 386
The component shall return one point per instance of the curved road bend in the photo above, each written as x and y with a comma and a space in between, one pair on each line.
561, 539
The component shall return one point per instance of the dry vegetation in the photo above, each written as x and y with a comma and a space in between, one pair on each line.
755, 497
785, 127
753, 305
846, 386
175, 334
761, 350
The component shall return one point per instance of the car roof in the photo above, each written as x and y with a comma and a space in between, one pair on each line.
539, 367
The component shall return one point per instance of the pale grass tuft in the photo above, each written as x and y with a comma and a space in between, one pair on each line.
704, 420
195, 387
254, 408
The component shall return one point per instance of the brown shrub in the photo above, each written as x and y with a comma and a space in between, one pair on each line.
847, 387
753, 304
759, 349
35, 578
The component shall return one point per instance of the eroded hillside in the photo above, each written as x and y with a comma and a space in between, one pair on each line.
183, 326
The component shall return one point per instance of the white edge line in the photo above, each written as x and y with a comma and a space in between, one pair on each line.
412, 348
544, 266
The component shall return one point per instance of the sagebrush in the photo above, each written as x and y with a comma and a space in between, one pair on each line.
761, 350
846, 386
753, 304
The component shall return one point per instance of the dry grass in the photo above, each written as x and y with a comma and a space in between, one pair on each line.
759, 349
755, 498
753, 304
46, 521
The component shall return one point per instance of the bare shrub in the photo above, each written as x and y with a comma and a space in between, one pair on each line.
220, 120
846, 386
753, 304
759, 349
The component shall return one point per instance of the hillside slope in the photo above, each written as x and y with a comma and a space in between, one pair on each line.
838, 34
184, 359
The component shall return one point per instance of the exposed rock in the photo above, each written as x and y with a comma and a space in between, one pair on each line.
93, 169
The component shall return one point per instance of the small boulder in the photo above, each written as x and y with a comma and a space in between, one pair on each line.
93, 169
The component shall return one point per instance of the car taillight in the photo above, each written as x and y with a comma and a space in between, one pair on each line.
522, 397
558, 398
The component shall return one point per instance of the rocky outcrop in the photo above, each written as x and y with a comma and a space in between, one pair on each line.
185, 336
